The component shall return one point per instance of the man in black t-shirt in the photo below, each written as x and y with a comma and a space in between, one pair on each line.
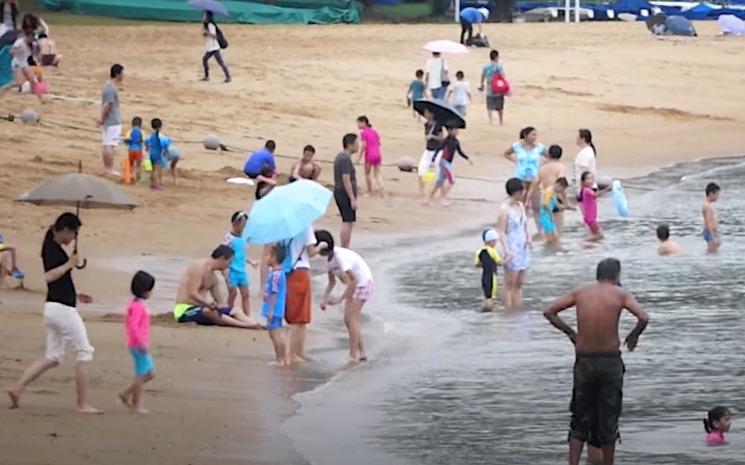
345, 187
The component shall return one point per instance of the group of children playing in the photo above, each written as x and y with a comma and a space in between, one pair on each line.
458, 94
162, 154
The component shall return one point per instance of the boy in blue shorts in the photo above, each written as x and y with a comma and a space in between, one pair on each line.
236, 276
275, 297
549, 207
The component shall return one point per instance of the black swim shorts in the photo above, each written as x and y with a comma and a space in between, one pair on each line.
348, 214
597, 398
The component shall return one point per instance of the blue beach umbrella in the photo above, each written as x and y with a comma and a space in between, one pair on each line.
210, 5
286, 211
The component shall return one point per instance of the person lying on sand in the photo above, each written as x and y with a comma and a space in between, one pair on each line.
192, 304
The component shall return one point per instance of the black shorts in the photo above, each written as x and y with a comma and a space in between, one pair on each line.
495, 102
597, 398
348, 214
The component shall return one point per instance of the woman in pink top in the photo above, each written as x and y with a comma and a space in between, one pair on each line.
137, 325
370, 149
718, 422
588, 199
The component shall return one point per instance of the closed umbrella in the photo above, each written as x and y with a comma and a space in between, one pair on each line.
444, 113
445, 46
210, 5
79, 190
286, 211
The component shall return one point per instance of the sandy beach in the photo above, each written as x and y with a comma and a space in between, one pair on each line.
649, 102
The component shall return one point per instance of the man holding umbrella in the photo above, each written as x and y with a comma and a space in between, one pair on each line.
468, 17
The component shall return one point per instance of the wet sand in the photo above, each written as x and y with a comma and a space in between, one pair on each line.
649, 103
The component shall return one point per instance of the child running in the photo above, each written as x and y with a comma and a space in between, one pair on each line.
352, 270
588, 198
134, 141
373, 159
711, 223
275, 297
137, 325
446, 176
666, 246
415, 92
488, 258
155, 149
550, 207
237, 277
717, 422
460, 93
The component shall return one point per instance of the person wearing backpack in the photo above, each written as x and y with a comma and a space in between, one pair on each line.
494, 100
214, 42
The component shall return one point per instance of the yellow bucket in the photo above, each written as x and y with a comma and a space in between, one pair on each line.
147, 165
429, 177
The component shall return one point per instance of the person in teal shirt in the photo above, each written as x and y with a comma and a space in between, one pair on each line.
494, 102
416, 91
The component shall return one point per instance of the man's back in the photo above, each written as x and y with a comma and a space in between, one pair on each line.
599, 307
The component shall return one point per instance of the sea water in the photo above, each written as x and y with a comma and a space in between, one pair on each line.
448, 385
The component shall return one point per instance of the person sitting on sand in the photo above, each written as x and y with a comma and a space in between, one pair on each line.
199, 279
46, 51
666, 246
351, 269
9, 262
306, 168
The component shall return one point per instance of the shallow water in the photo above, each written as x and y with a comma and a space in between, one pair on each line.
450, 385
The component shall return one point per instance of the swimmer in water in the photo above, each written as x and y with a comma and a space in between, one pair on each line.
666, 246
717, 422
711, 224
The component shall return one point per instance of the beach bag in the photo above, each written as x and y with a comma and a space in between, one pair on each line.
499, 85
478, 41
221, 40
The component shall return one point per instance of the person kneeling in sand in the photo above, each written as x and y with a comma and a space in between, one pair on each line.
666, 245
352, 270
199, 280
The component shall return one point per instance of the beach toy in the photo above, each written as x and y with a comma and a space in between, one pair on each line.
126, 171
212, 142
406, 164
147, 165
241, 181
30, 116
619, 198
429, 177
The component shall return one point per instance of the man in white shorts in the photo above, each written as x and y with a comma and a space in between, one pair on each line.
111, 119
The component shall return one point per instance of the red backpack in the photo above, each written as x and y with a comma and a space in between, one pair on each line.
499, 85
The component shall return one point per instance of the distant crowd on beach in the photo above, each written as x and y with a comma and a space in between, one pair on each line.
540, 192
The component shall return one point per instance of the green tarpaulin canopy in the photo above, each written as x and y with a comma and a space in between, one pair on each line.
241, 11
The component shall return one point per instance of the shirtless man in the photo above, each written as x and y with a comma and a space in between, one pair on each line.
192, 304
598, 370
711, 224
548, 173
306, 168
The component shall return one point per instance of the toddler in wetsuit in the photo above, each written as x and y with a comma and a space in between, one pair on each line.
488, 258
717, 422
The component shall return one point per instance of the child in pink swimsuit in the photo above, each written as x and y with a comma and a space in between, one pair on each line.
589, 201
717, 422
373, 159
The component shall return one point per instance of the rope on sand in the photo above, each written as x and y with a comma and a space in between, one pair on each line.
235, 148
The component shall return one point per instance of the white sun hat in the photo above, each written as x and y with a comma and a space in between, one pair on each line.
484, 12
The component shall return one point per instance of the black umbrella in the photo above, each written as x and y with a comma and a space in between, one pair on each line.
444, 113
656, 23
